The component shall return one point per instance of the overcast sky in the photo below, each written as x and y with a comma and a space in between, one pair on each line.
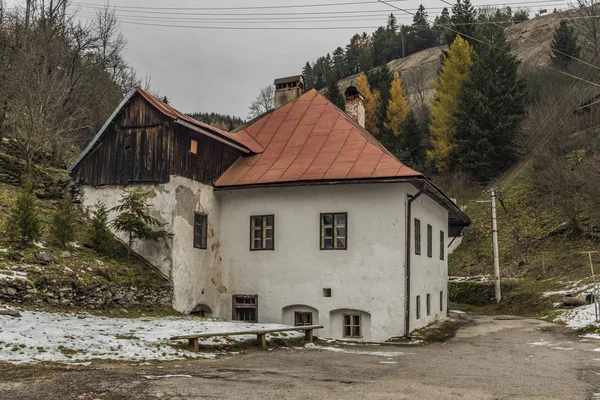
216, 70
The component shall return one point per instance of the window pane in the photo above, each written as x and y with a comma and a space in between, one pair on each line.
356, 330
327, 243
346, 320
308, 319
269, 221
328, 232
347, 331
340, 243
256, 244
268, 244
256, 222
269, 233
356, 319
340, 219
256, 234
327, 219
340, 232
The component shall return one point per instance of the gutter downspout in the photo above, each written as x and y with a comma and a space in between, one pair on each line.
408, 252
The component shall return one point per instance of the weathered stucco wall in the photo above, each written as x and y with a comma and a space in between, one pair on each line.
429, 275
194, 272
368, 276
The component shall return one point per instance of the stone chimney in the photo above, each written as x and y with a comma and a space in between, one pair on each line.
355, 105
287, 89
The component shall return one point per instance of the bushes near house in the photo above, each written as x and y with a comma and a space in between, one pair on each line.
98, 235
62, 227
24, 225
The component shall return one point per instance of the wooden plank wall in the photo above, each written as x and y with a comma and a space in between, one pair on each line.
144, 146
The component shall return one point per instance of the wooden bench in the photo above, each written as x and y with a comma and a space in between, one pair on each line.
261, 334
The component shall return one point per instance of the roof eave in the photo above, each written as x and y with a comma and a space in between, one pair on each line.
96, 138
212, 135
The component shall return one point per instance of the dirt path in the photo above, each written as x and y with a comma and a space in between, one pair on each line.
493, 358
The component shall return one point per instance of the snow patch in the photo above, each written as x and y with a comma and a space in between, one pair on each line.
39, 244
579, 317
58, 337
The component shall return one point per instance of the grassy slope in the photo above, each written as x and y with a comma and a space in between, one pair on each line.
85, 268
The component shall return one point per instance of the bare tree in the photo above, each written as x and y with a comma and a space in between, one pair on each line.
588, 26
417, 86
263, 103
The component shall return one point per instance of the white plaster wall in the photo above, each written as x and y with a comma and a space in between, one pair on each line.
158, 254
368, 276
429, 275
195, 273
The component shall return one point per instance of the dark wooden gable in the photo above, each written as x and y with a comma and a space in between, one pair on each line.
142, 145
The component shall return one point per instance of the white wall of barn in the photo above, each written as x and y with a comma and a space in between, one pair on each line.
367, 277
195, 273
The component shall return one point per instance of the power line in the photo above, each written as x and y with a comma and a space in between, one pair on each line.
287, 6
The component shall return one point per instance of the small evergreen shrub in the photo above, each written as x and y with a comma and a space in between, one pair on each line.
134, 219
98, 234
62, 228
24, 224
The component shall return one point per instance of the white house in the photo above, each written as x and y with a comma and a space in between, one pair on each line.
298, 217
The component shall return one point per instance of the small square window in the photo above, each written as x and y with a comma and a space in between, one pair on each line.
418, 307
334, 231
417, 237
352, 326
200, 230
303, 318
194, 147
326, 292
429, 241
262, 232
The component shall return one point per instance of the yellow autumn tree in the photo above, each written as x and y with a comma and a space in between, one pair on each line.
454, 75
397, 109
372, 104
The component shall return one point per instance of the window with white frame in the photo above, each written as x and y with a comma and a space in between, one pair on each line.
334, 231
352, 326
262, 229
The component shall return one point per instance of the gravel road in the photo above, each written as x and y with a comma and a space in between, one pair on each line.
492, 358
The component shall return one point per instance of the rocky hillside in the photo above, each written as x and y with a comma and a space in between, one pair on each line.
44, 276
529, 40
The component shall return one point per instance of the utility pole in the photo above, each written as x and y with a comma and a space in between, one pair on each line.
496, 255
495, 245
596, 306
544, 264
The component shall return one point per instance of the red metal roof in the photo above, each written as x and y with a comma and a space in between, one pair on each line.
310, 139
240, 139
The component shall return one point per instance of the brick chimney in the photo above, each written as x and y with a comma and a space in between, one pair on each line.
355, 105
287, 89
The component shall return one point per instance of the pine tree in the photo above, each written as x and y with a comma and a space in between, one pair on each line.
134, 219
98, 234
440, 25
564, 45
397, 109
309, 80
62, 229
392, 24
372, 104
333, 92
462, 20
490, 111
452, 79
412, 142
24, 225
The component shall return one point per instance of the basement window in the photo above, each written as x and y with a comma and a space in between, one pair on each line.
417, 237
245, 307
352, 326
303, 318
428, 304
200, 230
262, 232
334, 227
418, 306
326, 292
429, 241
194, 147
442, 245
